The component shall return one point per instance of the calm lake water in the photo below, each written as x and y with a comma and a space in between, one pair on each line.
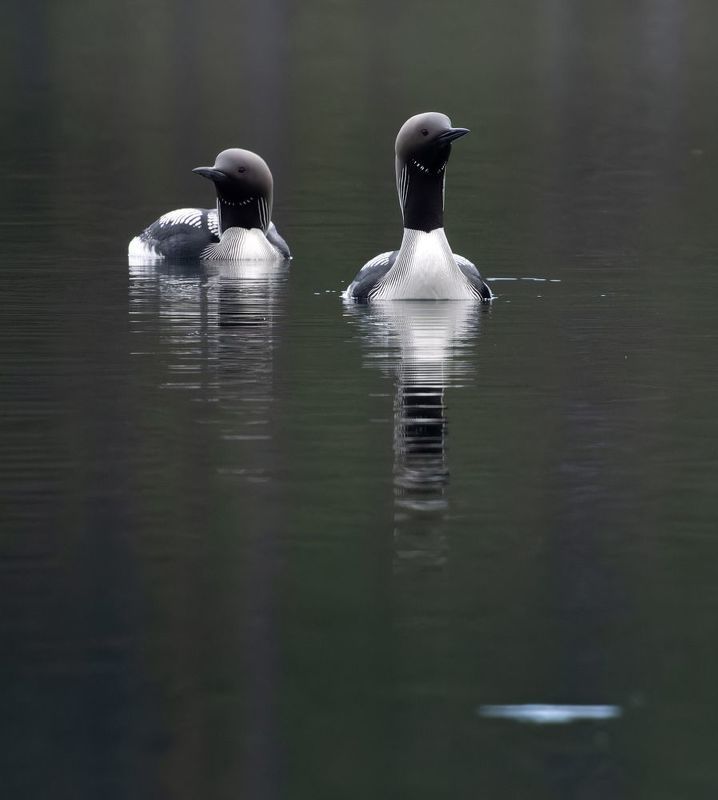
257, 544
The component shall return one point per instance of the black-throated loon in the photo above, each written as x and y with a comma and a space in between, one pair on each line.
240, 228
423, 268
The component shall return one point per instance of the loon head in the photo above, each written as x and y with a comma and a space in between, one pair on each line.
423, 147
244, 189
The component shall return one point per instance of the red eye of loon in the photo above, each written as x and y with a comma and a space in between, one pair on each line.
242, 169
424, 131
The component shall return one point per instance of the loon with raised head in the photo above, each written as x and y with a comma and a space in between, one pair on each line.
240, 228
423, 268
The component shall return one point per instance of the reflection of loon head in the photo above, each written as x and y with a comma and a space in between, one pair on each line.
426, 347
420, 470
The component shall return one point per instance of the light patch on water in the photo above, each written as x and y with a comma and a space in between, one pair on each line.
539, 280
549, 714
238, 437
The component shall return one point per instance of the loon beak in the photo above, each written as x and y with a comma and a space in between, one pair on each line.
450, 134
213, 174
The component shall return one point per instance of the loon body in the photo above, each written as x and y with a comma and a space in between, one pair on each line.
424, 267
240, 228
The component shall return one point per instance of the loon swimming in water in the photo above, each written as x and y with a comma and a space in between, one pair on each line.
423, 268
239, 229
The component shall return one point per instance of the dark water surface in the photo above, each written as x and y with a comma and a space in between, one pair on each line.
255, 544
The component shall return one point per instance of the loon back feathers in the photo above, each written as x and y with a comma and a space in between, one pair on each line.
180, 234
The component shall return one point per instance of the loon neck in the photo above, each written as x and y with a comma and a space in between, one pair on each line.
252, 212
421, 195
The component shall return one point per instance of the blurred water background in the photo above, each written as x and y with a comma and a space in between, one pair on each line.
256, 544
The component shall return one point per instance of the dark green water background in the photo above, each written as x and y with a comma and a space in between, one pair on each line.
233, 562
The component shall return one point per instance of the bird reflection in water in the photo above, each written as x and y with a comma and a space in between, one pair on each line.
426, 347
250, 304
248, 293
217, 329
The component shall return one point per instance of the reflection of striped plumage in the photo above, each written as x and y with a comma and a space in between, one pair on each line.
426, 348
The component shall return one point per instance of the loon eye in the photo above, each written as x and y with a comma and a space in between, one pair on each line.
424, 132
242, 169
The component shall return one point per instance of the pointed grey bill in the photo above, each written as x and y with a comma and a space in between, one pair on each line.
211, 173
452, 134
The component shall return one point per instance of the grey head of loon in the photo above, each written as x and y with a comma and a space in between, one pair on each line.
423, 147
244, 189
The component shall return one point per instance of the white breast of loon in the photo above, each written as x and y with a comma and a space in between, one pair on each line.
242, 244
140, 251
425, 269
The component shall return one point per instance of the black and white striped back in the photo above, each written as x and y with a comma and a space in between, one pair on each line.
180, 234
193, 233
